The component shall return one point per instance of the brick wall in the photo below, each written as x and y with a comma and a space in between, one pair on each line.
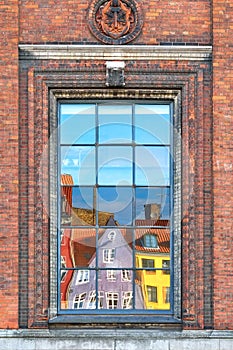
9, 164
165, 22
223, 162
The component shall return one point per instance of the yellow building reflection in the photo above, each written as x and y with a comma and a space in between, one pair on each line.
153, 263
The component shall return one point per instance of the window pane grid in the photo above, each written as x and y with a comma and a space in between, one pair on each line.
113, 300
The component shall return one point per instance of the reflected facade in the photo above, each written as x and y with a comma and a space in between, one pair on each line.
115, 206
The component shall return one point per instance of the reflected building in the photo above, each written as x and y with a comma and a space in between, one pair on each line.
114, 278
153, 260
66, 264
113, 267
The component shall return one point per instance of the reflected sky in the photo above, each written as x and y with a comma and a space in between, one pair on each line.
136, 157
119, 201
78, 124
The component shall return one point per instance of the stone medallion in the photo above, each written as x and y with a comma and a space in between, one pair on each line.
115, 21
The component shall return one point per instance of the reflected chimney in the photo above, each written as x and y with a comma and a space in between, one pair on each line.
152, 211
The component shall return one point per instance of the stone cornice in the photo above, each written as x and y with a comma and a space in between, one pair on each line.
114, 52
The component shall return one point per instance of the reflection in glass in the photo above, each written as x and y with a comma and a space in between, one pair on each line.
117, 201
115, 123
77, 206
77, 124
81, 246
152, 166
79, 162
152, 124
114, 266
115, 165
83, 210
117, 252
155, 289
152, 203
115, 294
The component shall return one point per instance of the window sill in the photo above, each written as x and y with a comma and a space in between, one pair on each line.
118, 321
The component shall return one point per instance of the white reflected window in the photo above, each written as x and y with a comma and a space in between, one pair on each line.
111, 235
82, 276
111, 275
127, 298
125, 276
108, 255
79, 300
112, 300
100, 300
91, 304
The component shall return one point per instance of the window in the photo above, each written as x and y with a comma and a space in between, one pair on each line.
63, 272
116, 204
100, 300
152, 294
79, 301
111, 275
125, 276
92, 300
127, 300
148, 263
108, 255
150, 241
82, 277
111, 235
166, 295
166, 265
112, 300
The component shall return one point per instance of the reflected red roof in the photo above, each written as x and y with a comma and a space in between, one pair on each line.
149, 222
163, 238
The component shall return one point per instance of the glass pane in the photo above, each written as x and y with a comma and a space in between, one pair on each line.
115, 123
152, 166
155, 238
66, 263
77, 249
79, 163
66, 202
77, 124
82, 291
155, 289
115, 202
77, 206
152, 250
152, 205
80, 244
115, 165
115, 289
114, 249
152, 124
83, 211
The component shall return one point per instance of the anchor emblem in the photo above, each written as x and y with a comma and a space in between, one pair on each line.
116, 19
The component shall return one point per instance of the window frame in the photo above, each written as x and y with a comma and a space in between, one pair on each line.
173, 97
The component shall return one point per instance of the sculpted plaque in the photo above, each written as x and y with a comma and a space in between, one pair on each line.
115, 21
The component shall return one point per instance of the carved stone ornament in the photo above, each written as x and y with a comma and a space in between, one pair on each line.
115, 21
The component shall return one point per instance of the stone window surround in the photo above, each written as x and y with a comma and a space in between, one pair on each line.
32, 53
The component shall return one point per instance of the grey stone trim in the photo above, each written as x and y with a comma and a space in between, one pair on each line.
116, 339
149, 94
115, 52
